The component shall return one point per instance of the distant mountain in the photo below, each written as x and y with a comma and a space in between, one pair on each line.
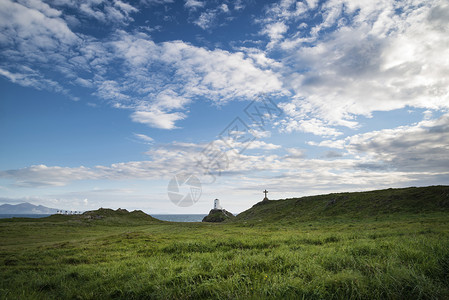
26, 208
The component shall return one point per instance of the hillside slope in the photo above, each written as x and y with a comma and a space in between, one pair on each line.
106, 216
351, 205
103, 216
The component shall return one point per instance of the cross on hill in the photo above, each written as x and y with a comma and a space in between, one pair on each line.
265, 192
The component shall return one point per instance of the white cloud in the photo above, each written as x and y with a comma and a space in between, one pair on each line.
112, 90
168, 99
261, 59
337, 144
101, 10
34, 26
260, 134
295, 153
422, 147
374, 60
41, 7
239, 5
194, 4
166, 161
125, 6
313, 125
411, 155
157, 118
30, 78
83, 82
224, 8
184, 73
41, 175
286, 10
34, 34
155, 81
156, 2
206, 19
235, 143
275, 30
312, 3
144, 137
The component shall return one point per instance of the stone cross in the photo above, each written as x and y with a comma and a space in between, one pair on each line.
265, 192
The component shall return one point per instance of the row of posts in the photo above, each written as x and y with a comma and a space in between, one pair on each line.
68, 212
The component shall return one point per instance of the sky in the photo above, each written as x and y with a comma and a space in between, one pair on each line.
165, 105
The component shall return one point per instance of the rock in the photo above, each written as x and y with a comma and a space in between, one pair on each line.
218, 215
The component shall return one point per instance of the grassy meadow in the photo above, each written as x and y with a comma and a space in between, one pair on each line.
400, 255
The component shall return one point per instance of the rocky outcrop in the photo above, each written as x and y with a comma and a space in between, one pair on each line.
218, 215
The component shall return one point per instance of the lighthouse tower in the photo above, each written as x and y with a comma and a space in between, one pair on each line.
217, 204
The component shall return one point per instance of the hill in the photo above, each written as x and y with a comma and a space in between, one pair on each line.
106, 216
218, 215
350, 205
26, 208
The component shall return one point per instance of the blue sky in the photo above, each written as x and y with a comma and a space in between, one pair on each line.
102, 103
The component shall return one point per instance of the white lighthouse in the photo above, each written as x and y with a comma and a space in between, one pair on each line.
217, 204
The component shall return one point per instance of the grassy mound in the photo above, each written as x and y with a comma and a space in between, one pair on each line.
102, 216
218, 215
351, 205
119, 216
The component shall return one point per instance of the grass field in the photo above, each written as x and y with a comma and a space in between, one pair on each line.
402, 255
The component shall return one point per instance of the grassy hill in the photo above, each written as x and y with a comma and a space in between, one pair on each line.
380, 203
102, 216
120, 216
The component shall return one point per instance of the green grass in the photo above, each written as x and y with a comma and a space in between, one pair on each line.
402, 255
381, 203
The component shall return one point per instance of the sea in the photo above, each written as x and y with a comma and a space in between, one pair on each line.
5, 216
171, 218
180, 218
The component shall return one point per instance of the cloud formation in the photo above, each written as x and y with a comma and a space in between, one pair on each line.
356, 58
374, 60
374, 159
414, 148
328, 62
155, 80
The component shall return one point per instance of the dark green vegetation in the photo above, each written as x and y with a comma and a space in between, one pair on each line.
313, 248
388, 203
218, 215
